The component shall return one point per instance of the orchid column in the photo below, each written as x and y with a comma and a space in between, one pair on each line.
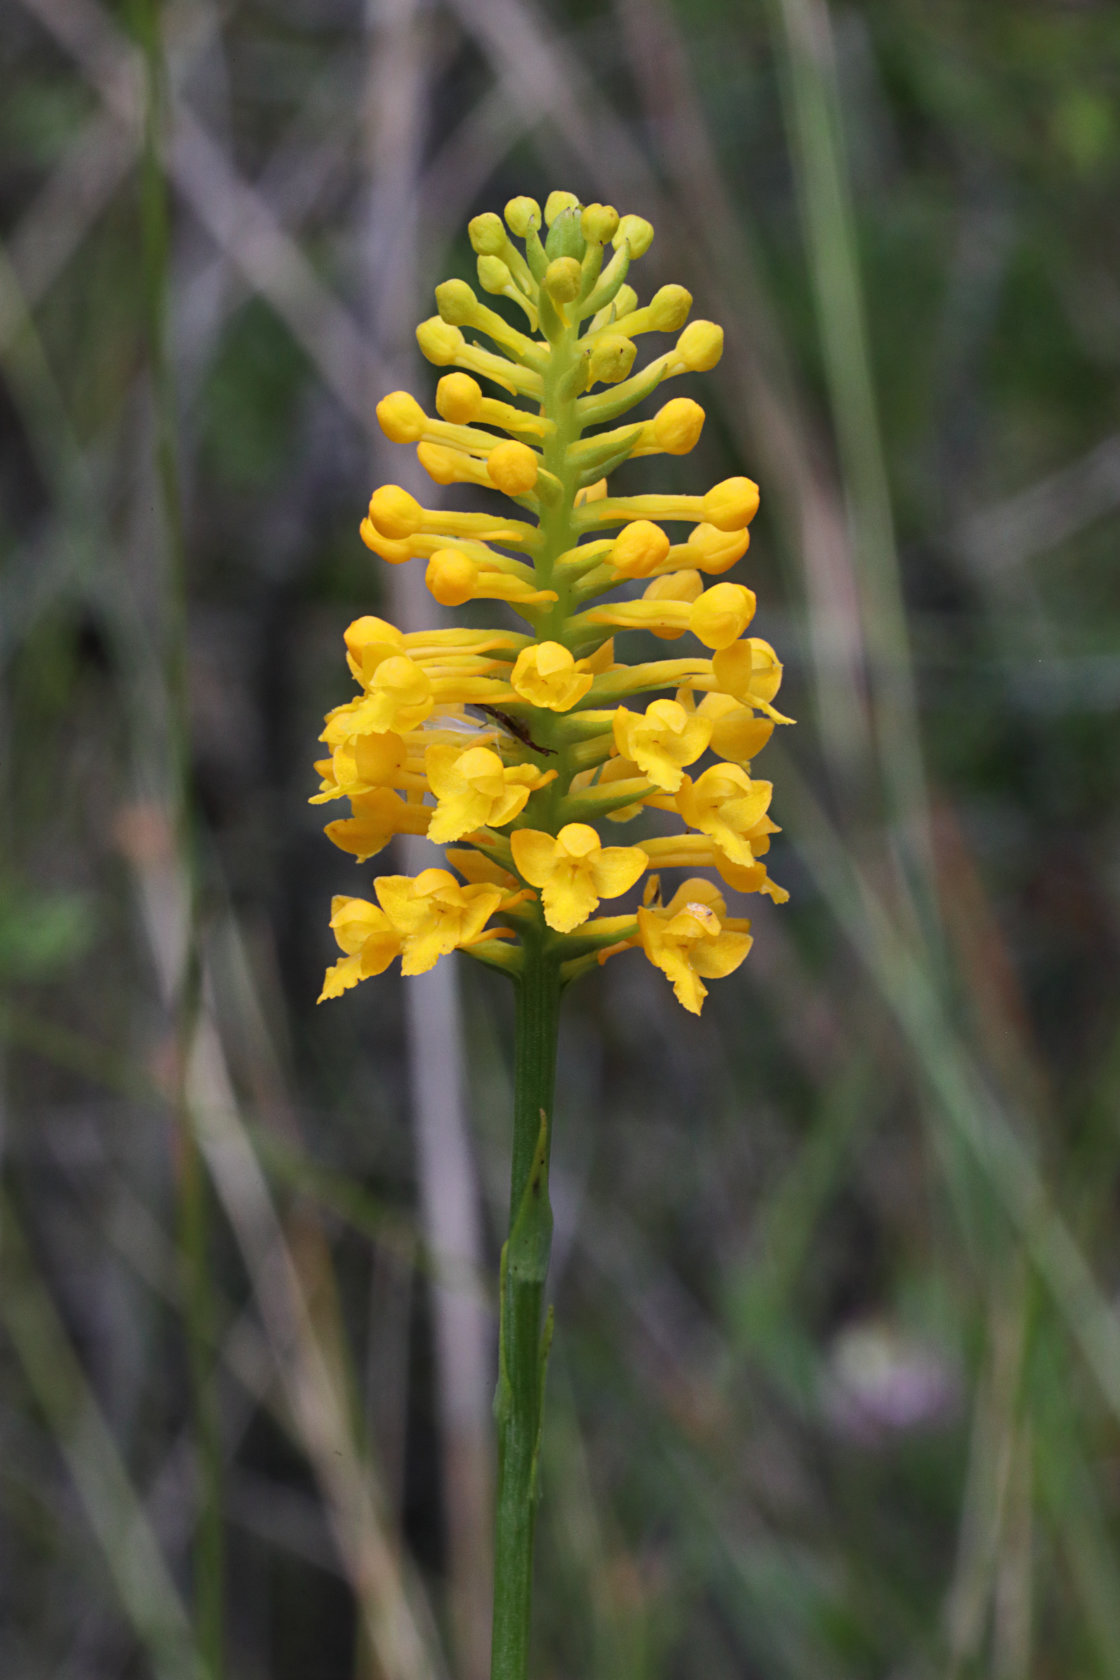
514, 747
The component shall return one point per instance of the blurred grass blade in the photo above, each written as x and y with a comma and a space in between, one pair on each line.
804, 40
963, 1095
112, 1506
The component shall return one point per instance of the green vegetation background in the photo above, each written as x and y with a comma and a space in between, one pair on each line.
836, 1384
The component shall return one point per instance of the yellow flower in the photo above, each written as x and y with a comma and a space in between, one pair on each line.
360, 763
638, 549
452, 577
750, 671
737, 734
675, 428
721, 614
673, 603
574, 871
731, 504
433, 914
513, 468
666, 604
662, 740
399, 697
370, 640
546, 674
476, 790
377, 816
369, 939
692, 940
711, 550
726, 804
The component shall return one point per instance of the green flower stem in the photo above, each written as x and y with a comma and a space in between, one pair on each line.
523, 1337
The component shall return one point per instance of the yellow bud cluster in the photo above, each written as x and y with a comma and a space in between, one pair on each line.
517, 745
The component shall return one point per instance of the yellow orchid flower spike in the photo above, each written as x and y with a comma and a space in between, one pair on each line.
515, 744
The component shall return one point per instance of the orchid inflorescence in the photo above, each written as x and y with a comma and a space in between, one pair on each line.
515, 747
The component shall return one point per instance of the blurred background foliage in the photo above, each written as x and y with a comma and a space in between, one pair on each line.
836, 1387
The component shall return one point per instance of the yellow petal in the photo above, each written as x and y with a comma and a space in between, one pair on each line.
577, 840
422, 951
340, 977
719, 957
508, 805
459, 814
569, 897
697, 890
480, 902
534, 855
721, 614
396, 896
439, 767
353, 920
616, 869
545, 674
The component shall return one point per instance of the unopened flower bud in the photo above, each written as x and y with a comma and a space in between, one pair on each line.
439, 342
714, 550
557, 202
545, 674
458, 398
442, 465
562, 279
393, 551
669, 307
731, 504
494, 275
451, 576
394, 512
635, 232
513, 468
487, 235
677, 426
675, 586
639, 548
371, 636
599, 223
700, 346
564, 236
611, 359
401, 418
456, 302
522, 214
672, 587
721, 614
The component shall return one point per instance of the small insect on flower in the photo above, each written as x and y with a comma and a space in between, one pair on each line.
519, 731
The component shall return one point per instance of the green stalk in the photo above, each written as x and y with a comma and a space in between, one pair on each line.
523, 1337
524, 1331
